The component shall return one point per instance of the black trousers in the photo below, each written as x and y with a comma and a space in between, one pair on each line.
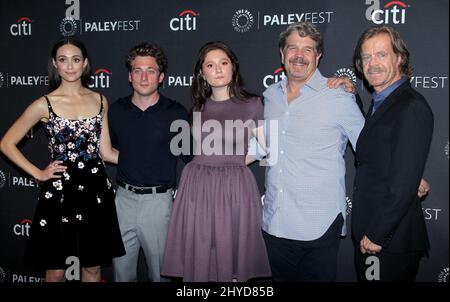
393, 267
305, 261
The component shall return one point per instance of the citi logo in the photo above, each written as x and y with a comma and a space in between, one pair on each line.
393, 12
101, 78
277, 76
186, 20
22, 228
22, 27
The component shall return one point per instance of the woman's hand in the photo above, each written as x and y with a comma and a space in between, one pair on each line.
51, 170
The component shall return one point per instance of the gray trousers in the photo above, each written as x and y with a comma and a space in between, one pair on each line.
143, 221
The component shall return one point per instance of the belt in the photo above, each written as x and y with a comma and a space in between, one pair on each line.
144, 190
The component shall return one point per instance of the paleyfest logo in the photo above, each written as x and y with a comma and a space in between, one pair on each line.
72, 24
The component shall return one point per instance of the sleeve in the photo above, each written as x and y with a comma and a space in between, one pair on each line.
410, 146
351, 120
254, 147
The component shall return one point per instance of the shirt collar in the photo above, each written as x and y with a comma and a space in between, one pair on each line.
379, 97
161, 101
314, 82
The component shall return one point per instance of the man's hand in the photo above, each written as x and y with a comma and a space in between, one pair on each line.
367, 246
424, 188
344, 81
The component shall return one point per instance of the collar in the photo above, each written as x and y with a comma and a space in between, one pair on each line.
379, 97
161, 102
315, 82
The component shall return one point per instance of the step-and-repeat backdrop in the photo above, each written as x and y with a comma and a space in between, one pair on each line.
29, 28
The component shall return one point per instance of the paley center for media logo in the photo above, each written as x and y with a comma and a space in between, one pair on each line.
349, 205
22, 27
9, 80
185, 21
3, 277
242, 20
2, 80
2, 179
72, 23
393, 12
446, 149
443, 275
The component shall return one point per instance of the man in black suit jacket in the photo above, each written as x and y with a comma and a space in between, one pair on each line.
387, 217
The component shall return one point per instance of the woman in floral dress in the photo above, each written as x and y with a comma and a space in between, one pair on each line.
75, 219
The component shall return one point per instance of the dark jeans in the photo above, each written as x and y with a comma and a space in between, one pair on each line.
296, 260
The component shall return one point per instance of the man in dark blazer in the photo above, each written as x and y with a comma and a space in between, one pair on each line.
391, 152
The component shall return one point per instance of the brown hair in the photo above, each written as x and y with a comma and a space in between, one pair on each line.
200, 87
398, 45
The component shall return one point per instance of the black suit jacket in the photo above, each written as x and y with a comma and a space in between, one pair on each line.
390, 156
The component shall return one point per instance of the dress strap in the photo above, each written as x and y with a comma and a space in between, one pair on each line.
50, 109
101, 104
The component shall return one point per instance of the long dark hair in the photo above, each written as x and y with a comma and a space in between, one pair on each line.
201, 90
53, 76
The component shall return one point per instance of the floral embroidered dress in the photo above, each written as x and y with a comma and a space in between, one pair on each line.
76, 214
